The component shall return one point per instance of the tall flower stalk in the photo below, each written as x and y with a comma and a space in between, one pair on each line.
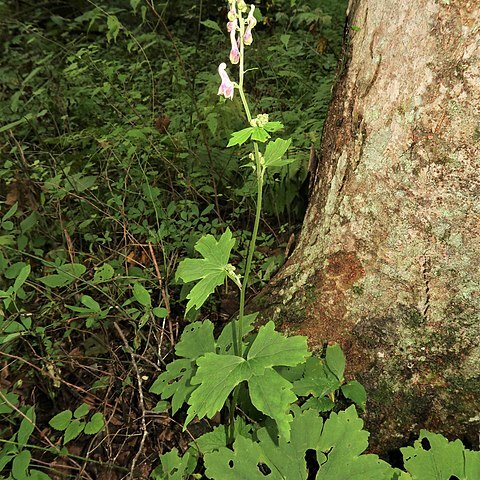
209, 373
240, 28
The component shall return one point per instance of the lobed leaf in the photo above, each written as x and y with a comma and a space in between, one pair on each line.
338, 444
218, 375
272, 348
197, 339
240, 137
210, 271
443, 460
272, 394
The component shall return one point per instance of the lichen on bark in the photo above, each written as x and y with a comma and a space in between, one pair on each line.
388, 260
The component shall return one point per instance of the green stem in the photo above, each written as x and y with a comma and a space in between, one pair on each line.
260, 170
252, 245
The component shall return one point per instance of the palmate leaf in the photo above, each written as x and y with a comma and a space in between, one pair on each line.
197, 339
272, 348
343, 441
338, 443
218, 375
210, 271
443, 460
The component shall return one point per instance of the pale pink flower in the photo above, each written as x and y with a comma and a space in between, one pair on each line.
251, 22
226, 87
234, 52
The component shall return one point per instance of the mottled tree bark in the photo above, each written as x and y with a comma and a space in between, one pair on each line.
388, 260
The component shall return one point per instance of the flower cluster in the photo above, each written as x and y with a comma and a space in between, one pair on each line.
240, 30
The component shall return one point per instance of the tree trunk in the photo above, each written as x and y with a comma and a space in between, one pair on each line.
388, 260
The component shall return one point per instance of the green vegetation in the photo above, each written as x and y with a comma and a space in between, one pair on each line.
117, 361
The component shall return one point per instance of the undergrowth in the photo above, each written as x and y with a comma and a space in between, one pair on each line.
114, 169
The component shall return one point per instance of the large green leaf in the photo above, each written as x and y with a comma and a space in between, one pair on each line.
239, 464
343, 441
442, 461
338, 443
218, 375
210, 271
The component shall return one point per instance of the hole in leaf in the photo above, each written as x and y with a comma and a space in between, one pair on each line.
425, 444
453, 477
264, 469
230, 463
394, 458
312, 463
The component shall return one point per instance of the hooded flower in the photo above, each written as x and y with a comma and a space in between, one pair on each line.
234, 52
232, 13
251, 22
226, 87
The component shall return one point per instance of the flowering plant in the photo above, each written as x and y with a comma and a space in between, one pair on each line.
239, 367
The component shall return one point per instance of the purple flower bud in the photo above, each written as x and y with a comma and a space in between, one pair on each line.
226, 87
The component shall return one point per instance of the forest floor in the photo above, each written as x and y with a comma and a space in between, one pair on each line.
113, 165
